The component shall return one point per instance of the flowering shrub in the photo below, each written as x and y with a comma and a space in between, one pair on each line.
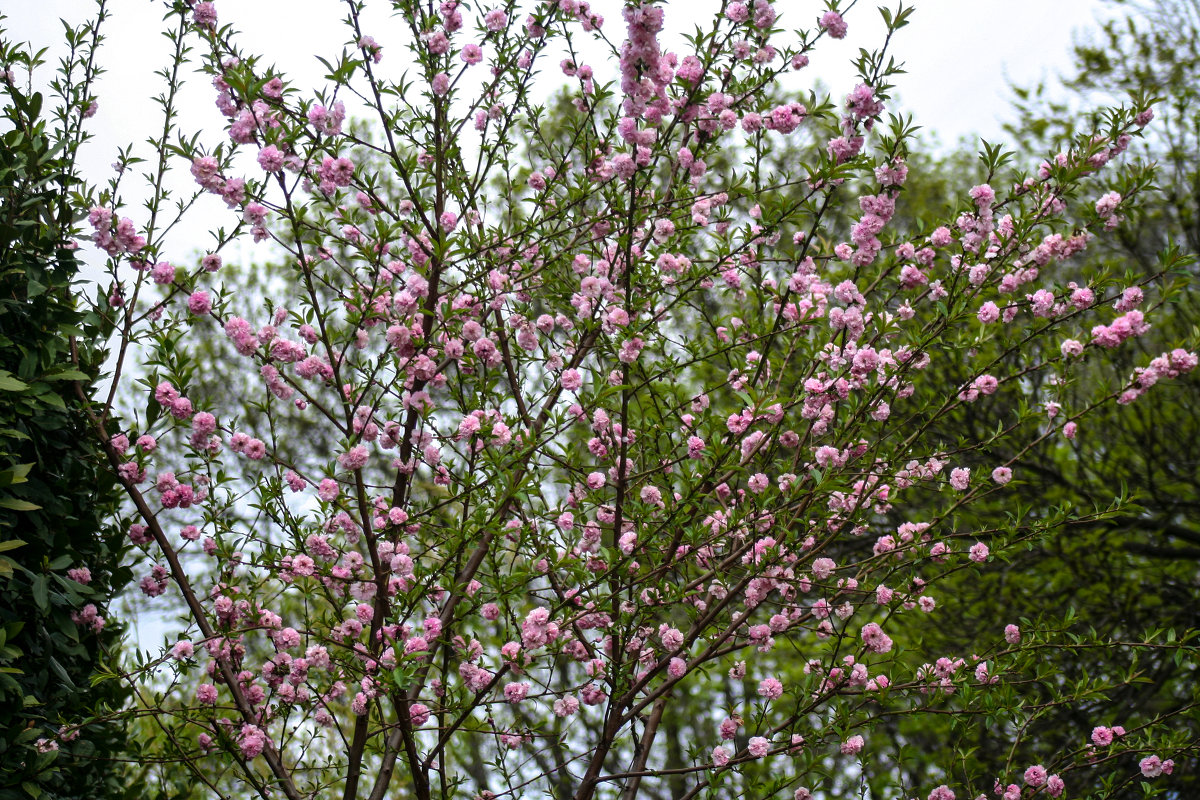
570, 442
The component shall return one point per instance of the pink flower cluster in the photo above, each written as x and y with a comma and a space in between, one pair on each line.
645, 74
834, 25
125, 239
88, 617
1129, 324
1166, 366
1154, 766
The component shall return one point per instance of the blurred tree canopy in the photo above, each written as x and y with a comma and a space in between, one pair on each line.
1128, 576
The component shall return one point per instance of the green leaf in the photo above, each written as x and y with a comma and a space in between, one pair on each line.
10, 384
58, 670
41, 592
14, 504
62, 562
18, 472
67, 375
52, 399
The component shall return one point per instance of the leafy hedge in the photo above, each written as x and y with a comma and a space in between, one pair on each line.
55, 490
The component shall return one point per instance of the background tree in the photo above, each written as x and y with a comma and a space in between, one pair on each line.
1133, 573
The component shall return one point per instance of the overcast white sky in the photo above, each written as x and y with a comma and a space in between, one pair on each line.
959, 53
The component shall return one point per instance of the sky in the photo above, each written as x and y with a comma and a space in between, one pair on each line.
960, 56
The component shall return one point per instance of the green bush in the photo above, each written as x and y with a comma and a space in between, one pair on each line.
55, 490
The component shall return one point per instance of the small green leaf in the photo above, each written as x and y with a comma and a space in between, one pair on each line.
61, 563
19, 472
67, 375
58, 670
52, 399
10, 384
41, 592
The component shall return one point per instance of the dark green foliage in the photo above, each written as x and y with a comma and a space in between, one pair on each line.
1133, 575
57, 498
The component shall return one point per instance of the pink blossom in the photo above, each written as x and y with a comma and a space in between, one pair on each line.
571, 379
1107, 204
472, 54
832, 22
516, 692
205, 15
960, 478
163, 273
729, 727
373, 48
199, 303
355, 458
1152, 766
270, 158
495, 20
418, 714
852, 746
1130, 299
875, 639
822, 568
